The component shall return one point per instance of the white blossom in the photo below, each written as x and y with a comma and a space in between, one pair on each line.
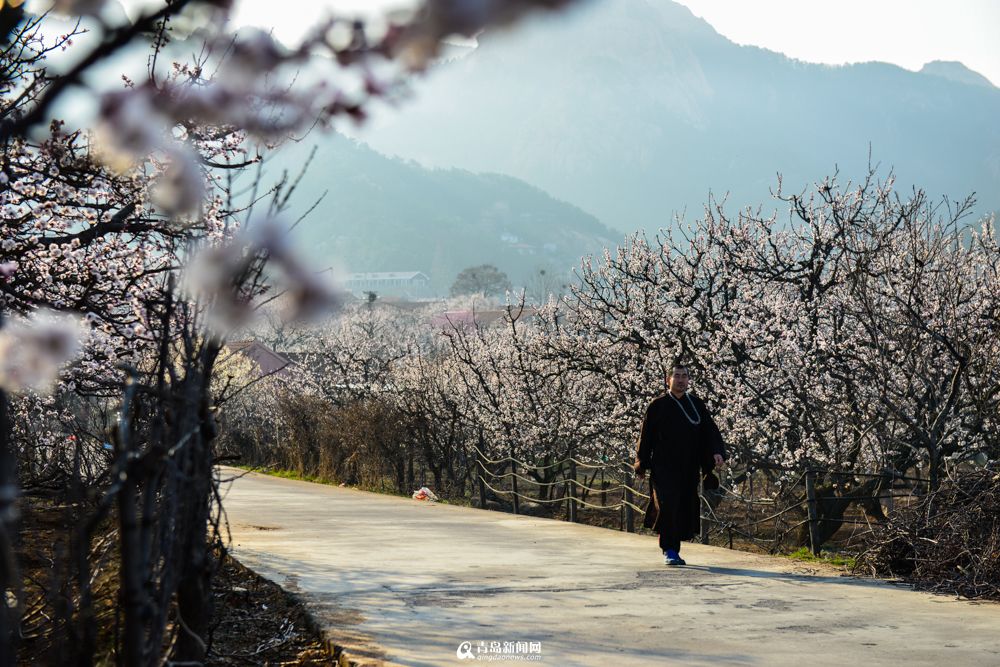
33, 350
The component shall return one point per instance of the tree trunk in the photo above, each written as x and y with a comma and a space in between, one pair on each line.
130, 591
9, 577
194, 590
410, 475
831, 508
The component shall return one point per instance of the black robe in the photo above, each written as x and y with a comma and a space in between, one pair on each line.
675, 451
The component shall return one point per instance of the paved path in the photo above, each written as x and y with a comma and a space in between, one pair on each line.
407, 582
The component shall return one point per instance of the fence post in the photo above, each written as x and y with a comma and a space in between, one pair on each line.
571, 492
629, 512
813, 516
513, 481
480, 458
703, 520
621, 512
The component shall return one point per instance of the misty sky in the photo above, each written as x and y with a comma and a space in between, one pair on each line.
908, 33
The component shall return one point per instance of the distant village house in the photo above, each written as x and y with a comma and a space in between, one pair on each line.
408, 284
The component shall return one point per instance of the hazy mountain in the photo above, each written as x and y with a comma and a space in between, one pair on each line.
384, 214
634, 109
955, 71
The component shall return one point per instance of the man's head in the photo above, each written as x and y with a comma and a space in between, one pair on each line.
678, 379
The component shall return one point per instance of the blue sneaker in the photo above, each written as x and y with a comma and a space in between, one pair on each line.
671, 557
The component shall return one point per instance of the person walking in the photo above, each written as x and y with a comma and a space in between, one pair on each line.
678, 440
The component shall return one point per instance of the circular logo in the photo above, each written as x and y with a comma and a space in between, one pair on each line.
464, 651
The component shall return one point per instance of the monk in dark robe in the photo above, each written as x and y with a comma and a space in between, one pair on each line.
679, 443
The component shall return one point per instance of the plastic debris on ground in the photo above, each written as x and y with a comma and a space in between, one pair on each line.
423, 493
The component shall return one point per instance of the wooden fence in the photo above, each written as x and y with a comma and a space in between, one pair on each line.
746, 508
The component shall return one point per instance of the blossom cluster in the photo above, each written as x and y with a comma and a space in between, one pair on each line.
859, 336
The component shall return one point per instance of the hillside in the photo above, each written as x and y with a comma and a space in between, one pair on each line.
383, 214
636, 110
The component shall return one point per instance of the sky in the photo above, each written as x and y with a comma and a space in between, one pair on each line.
907, 33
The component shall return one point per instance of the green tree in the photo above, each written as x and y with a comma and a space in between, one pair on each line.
484, 279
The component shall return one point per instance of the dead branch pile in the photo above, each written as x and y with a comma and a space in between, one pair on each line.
948, 542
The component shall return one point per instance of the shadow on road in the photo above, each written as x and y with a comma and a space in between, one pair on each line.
844, 580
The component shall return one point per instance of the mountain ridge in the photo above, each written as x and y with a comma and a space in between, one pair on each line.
384, 214
955, 71
634, 111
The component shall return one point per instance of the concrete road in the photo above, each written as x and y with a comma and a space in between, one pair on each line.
408, 582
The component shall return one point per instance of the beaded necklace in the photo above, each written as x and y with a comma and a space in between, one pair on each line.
697, 419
